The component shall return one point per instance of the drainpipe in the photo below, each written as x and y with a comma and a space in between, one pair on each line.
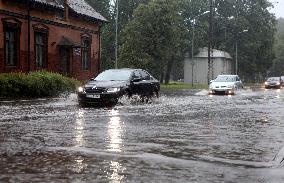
29, 36
99, 51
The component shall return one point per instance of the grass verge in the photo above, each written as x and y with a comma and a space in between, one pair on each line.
179, 86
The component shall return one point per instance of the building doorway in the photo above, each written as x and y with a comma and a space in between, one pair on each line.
65, 61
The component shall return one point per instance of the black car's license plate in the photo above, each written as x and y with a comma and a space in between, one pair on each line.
93, 96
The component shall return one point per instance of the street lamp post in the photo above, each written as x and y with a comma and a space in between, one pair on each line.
236, 62
192, 43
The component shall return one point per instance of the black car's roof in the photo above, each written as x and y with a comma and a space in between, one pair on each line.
122, 69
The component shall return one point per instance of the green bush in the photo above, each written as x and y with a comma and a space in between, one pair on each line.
35, 84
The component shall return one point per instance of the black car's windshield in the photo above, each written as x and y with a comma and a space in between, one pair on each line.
225, 79
114, 75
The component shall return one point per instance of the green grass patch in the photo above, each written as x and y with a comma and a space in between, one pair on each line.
35, 85
179, 86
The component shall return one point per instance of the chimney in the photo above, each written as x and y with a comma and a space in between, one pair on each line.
66, 10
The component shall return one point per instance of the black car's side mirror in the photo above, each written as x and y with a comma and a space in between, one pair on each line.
136, 79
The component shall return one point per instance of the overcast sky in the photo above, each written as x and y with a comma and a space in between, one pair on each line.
278, 9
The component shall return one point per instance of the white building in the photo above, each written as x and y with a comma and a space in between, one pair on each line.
196, 71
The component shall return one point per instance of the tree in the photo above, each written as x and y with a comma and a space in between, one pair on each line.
152, 39
278, 63
155, 34
255, 50
108, 9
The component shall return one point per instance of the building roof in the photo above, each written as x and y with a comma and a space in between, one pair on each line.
80, 7
203, 53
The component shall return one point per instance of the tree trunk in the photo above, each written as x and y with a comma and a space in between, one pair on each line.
162, 76
169, 69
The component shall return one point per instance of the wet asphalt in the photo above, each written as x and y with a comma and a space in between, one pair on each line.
183, 136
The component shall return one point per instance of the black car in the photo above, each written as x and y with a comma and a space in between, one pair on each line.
112, 84
273, 82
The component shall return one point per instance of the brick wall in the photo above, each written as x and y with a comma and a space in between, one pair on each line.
56, 30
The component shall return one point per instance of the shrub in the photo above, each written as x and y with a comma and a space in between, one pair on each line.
35, 84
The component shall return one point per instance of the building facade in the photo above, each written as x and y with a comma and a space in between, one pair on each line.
196, 70
55, 35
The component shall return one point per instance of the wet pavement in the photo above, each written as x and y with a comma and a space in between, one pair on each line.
184, 136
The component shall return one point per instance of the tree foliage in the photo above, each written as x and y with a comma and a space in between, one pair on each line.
155, 34
153, 39
278, 62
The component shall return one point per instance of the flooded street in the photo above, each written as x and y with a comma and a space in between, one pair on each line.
184, 136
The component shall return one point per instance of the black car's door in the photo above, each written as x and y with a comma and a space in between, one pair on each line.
146, 83
136, 82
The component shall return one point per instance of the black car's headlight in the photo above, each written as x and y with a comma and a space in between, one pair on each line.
80, 89
113, 90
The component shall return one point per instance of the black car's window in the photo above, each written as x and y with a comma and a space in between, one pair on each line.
136, 74
114, 75
145, 75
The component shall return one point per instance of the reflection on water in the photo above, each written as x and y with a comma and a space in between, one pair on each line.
79, 128
80, 165
114, 132
117, 172
115, 145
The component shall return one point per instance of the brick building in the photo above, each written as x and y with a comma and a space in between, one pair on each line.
54, 35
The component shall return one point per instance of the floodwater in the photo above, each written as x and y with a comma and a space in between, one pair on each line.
184, 136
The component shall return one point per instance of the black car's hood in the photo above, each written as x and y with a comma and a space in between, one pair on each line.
106, 84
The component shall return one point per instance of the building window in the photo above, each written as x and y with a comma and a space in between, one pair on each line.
40, 49
86, 53
11, 46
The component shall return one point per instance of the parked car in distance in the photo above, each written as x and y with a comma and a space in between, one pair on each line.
273, 82
112, 84
282, 80
225, 84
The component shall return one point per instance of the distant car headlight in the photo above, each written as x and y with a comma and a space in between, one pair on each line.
278, 83
80, 89
113, 90
230, 86
266, 83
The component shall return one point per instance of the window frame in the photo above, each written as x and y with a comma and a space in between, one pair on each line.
86, 51
16, 28
44, 46
40, 29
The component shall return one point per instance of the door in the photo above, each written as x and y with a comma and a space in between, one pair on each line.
147, 84
136, 85
65, 67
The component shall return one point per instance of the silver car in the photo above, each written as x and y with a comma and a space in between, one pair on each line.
225, 84
273, 82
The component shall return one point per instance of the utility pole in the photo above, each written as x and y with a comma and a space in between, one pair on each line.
236, 47
192, 52
116, 33
210, 37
